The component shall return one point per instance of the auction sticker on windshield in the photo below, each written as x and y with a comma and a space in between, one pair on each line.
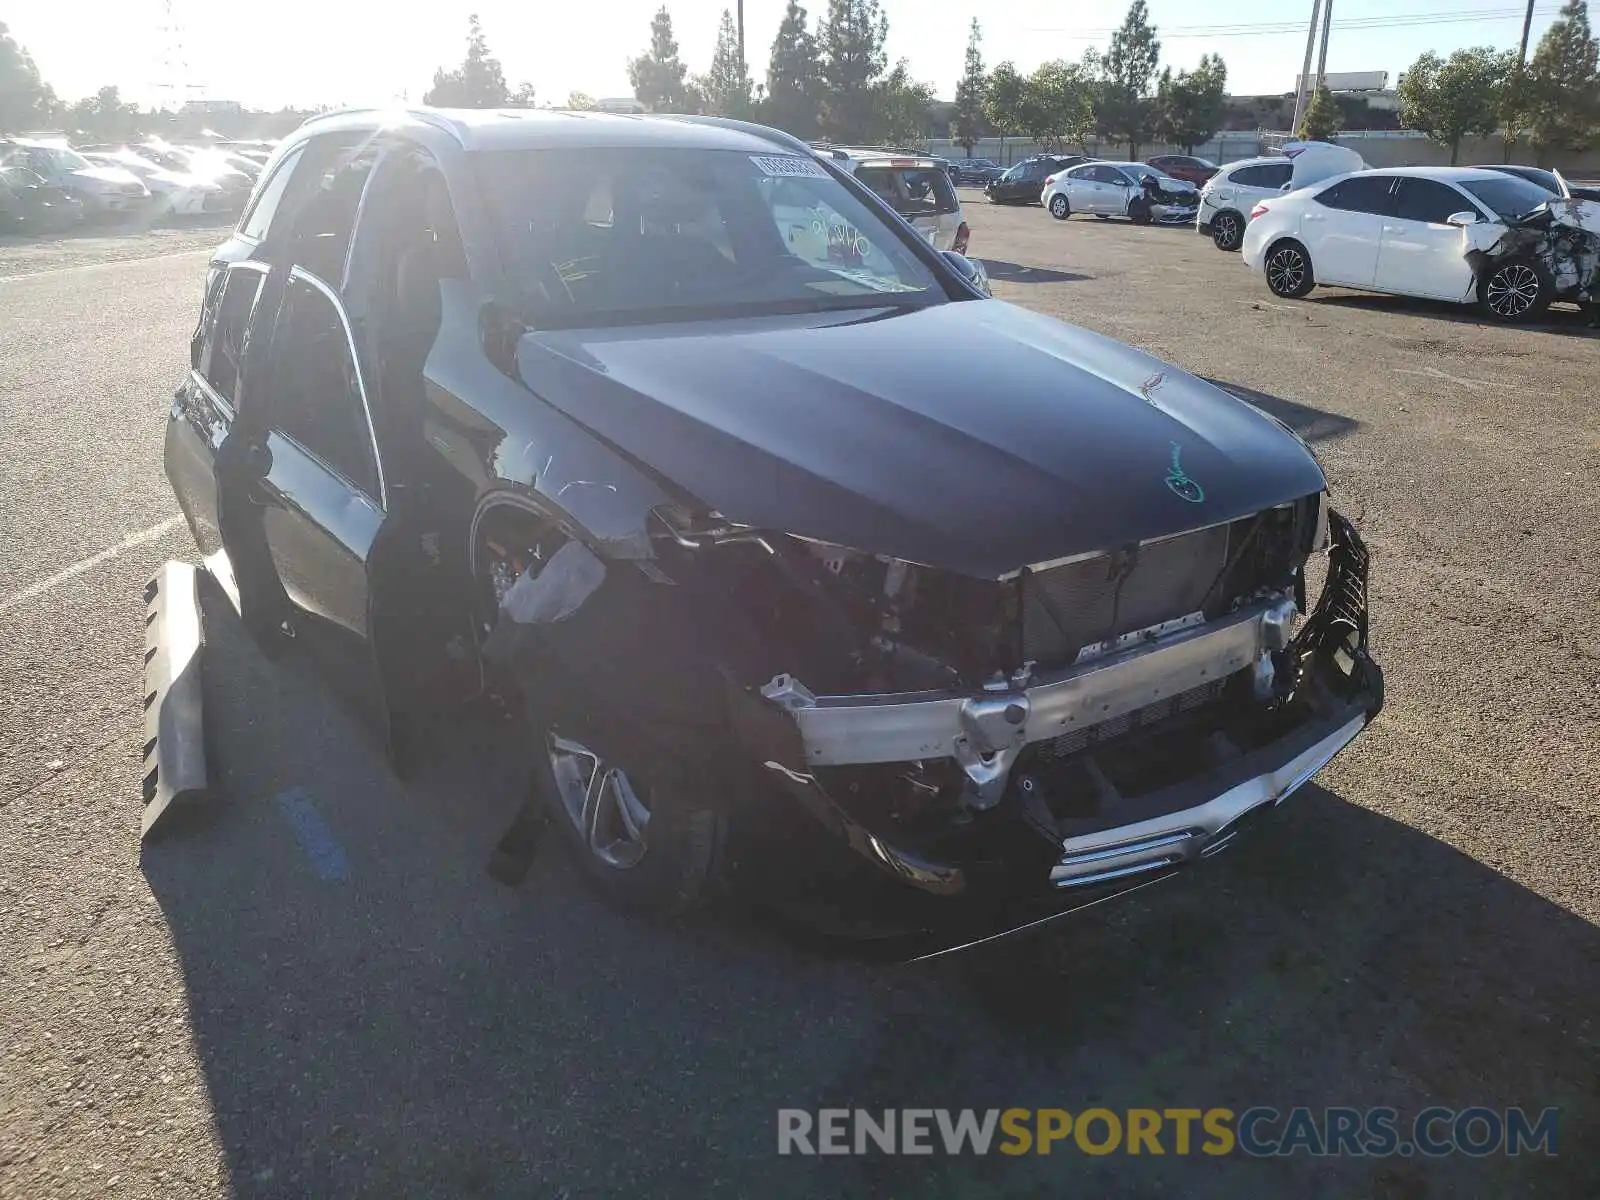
783, 166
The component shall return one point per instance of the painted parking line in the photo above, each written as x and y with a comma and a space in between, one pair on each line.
34, 590
316, 838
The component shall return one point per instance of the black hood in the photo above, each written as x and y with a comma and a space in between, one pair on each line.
974, 436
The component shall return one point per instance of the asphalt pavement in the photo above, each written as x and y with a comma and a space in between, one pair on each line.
314, 989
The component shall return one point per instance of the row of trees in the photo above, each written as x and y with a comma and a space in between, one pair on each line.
1552, 103
834, 81
1116, 95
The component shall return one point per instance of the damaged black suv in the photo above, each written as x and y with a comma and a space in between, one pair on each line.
671, 431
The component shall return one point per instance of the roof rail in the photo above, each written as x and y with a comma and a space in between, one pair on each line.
777, 136
426, 116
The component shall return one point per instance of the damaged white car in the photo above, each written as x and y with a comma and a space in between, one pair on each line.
1460, 234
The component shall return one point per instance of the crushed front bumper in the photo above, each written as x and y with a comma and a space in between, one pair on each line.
1009, 850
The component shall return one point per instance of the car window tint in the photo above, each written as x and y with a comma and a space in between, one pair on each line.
1428, 200
323, 225
230, 322
1276, 174
316, 396
264, 206
1258, 176
1360, 193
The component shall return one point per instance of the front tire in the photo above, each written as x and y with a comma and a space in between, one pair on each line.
1059, 208
1227, 231
1515, 290
651, 847
1288, 270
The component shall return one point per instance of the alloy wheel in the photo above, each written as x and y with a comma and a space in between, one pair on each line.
1286, 271
602, 803
1226, 231
1058, 206
1512, 291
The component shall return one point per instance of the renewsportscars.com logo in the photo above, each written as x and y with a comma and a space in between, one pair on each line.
1259, 1132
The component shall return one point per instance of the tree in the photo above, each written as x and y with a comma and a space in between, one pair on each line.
26, 101
726, 86
1322, 118
900, 107
522, 97
794, 80
969, 124
852, 65
477, 83
1126, 111
658, 75
1002, 101
1563, 83
1192, 105
579, 102
1057, 107
104, 117
1447, 99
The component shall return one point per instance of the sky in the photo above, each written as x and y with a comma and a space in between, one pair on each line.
311, 52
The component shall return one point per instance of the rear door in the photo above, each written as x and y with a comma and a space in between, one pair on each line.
1245, 187
1421, 253
1343, 228
206, 403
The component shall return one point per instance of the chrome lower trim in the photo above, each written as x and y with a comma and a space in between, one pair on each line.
1196, 832
910, 727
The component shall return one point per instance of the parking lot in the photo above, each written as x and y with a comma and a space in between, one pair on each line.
221, 1013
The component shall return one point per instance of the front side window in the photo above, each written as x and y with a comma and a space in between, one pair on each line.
317, 397
1428, 200
1361, 193
604, 236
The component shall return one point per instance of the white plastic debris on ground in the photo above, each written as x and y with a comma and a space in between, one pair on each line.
558, 590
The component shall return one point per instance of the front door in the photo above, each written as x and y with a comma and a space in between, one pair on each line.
1421, 253
315, 473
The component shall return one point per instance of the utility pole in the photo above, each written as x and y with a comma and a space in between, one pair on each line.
1322, 55
1527, 24
1305, 69
745, 62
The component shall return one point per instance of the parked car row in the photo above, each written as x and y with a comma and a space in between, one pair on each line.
48, 186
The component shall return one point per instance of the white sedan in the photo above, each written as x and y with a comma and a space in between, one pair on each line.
176, 193
1460, 234
1120, 189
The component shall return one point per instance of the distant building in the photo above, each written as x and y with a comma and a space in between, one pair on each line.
212, 108
619, 104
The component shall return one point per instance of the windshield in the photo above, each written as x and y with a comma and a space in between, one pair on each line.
1140, 170
603, 236
1510, 196
46, 158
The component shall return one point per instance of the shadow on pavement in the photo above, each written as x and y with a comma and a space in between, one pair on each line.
1010, 272
1313, 424
384, 1020
1560, 318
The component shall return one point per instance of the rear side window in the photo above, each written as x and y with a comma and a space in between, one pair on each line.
259, 216
1262, 175
1428, 200
912, 191
230, 324
1361, 193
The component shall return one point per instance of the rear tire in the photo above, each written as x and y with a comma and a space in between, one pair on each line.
1515, 290
1288, 270
1059, 208
1227, 231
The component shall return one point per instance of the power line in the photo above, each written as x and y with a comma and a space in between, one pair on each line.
1279, 28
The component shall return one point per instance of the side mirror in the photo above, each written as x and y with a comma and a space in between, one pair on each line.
969, 269
1462, 219
1286, 187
